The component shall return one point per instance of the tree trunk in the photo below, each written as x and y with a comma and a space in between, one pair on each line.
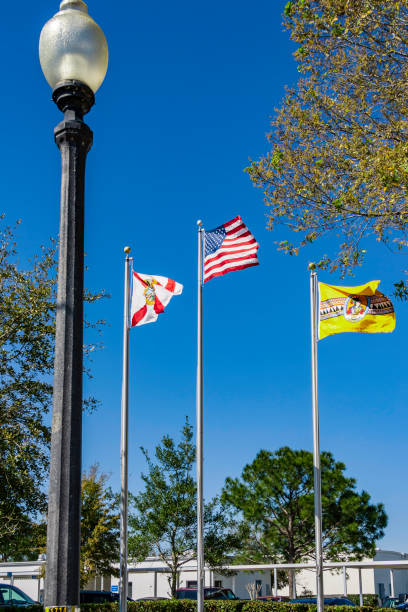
292, 584
173, 583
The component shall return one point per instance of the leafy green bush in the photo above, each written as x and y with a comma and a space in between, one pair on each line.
187, 605
348, 608
224, 606
275, 606
165, 605
99, 607
184, 605
368, 600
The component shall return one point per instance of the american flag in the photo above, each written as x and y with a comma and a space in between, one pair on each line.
229, 247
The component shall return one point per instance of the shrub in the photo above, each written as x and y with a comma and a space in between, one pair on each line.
368, 600
99, 607
186, 605
224, 606
275, 606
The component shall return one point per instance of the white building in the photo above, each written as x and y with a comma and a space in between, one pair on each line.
384, 578
26, 575
381, 581
150, 579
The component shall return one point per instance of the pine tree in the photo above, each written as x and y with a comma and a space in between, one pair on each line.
275, 498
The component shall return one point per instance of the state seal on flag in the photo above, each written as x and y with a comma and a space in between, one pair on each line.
149, 292
356, 307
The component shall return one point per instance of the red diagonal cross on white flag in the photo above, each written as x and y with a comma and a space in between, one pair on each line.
150, 295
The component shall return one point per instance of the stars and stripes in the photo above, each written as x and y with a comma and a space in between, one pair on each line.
229, 247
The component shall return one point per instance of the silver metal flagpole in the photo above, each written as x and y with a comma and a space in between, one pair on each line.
199, 438
123, 582
316, 447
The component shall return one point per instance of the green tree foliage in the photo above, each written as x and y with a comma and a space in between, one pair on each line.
26, 361
27, 325
338, 162
274, 496
165, 521
99, 527
25, 545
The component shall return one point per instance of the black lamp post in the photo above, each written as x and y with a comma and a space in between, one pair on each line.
74, 59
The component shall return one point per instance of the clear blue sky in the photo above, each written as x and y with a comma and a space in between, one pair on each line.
186, 102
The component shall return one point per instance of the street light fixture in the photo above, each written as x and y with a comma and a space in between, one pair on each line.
74, 59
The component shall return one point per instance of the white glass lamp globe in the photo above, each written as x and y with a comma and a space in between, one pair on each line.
73, 47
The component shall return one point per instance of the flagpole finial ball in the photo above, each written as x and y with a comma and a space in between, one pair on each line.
199, 223
127, 250
311, 266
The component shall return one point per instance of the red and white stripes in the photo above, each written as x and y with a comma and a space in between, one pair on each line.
237, 251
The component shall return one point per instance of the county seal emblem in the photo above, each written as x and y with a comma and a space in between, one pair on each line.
356, 307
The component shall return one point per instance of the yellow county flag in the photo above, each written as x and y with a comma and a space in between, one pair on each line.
354, 309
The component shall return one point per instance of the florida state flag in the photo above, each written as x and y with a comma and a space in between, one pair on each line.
150, 294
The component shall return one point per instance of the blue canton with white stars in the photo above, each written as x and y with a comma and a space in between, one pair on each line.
214, 239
